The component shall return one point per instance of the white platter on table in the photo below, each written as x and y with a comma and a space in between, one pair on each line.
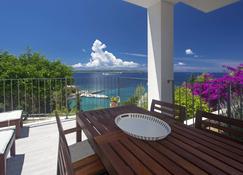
143, 126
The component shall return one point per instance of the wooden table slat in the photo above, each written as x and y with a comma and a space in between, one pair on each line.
209, 145
84, 124
130, 159
96, 124
150, 163
190, 167
205, 166
227, 158
217, 163
164, 160
118, 164
219, 141
212, 153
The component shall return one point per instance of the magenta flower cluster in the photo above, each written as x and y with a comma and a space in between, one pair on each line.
217, 91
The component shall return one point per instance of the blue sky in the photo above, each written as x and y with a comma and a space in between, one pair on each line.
67, 30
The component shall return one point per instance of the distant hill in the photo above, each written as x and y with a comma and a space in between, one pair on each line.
109, 71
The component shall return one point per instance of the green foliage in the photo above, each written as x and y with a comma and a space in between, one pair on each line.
143, 101
115, 99
31, 65
33, 82
62, 111
199, 78
139, 97
192, 78
184, 97
139, 91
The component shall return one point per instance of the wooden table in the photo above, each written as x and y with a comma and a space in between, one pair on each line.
185, 151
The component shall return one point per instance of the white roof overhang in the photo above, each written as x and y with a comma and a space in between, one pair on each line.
203, 5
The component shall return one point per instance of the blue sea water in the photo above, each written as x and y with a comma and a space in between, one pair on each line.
116, 84
109, 84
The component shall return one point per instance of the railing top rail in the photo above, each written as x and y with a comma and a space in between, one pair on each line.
9, 79
201, 83
13, 79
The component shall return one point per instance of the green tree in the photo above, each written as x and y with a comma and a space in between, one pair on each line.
31, 65
29, 81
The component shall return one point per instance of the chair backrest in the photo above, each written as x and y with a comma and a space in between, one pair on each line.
64, 163
170, 110
220, 125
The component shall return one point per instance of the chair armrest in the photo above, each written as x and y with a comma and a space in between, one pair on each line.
71, 130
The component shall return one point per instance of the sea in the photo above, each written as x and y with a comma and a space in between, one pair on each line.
116, 84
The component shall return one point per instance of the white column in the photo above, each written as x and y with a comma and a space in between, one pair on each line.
160, 51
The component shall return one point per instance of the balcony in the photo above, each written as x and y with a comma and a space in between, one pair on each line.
187, 150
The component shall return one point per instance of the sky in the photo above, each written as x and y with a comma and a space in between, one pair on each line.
112, 34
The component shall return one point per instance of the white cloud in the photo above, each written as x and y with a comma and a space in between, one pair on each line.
78, 65
181, 64
189, 52
101, 59
204, 64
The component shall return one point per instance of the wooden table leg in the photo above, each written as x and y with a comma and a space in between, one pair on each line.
18, 129
12, 149
79, 133
2, 165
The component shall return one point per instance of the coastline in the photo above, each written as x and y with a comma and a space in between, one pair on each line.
115, 83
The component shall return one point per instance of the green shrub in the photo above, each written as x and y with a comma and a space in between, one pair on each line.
184, 97
139, 98
115, 99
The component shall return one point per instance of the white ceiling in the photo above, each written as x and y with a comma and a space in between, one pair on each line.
203, 5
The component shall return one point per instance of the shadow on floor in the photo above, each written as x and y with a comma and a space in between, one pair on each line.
15, 164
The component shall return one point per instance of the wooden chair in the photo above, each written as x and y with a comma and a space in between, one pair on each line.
220, 125
170, 110
77, 159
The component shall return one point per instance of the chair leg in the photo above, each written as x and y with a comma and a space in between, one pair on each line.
2, 165
58, 170
12, 150
78, 133
21, 122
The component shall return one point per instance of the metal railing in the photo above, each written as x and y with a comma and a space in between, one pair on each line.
224, 99
39, 97
42, 96
36, 96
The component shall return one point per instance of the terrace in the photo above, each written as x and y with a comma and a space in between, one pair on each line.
37, 148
